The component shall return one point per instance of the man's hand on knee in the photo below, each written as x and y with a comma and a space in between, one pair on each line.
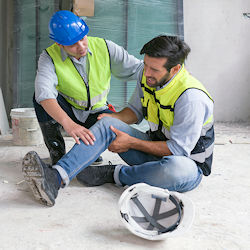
121, 143
79, 132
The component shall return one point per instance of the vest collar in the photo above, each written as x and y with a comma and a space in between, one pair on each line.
167, 83
64, 55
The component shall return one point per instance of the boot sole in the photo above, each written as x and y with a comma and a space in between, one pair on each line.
34, 175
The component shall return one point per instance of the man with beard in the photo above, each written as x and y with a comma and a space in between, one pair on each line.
173, 154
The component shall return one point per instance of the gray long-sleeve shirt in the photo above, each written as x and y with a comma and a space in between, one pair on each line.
123, 66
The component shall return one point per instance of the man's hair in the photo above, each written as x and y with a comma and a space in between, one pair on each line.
171, 47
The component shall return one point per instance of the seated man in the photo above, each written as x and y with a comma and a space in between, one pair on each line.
173, 154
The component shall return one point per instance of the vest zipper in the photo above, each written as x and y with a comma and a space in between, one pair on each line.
86, 85
88, 93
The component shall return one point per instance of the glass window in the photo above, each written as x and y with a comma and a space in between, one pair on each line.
129, 23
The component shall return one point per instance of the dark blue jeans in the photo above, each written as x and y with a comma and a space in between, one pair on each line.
43, 116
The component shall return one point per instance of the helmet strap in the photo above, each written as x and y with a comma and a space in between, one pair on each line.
156, 215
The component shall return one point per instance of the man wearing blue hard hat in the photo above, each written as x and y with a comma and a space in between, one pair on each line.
73, 81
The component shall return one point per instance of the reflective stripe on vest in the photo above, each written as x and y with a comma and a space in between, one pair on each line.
158, 109
200, 157
94, 100
70, 83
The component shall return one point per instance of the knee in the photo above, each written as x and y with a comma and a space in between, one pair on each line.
168, 165
105, 122
177, 167
103, 127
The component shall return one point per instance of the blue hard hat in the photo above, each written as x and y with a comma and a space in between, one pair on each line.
66, 28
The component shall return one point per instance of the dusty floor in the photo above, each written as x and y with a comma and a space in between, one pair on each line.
87, 218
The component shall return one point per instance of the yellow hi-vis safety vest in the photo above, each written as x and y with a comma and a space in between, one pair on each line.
158, 110
70, 83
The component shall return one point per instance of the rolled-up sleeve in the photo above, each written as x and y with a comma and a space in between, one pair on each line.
46, 79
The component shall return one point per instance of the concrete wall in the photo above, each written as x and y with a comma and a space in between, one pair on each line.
219, 37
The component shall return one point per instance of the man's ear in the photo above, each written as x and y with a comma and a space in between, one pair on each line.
174, 70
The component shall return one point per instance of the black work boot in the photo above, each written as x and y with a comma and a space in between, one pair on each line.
42, 179
97, 175
53, 139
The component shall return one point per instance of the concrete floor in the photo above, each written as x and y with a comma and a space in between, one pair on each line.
88, 218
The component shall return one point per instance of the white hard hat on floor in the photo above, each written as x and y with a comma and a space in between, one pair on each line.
154, 213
